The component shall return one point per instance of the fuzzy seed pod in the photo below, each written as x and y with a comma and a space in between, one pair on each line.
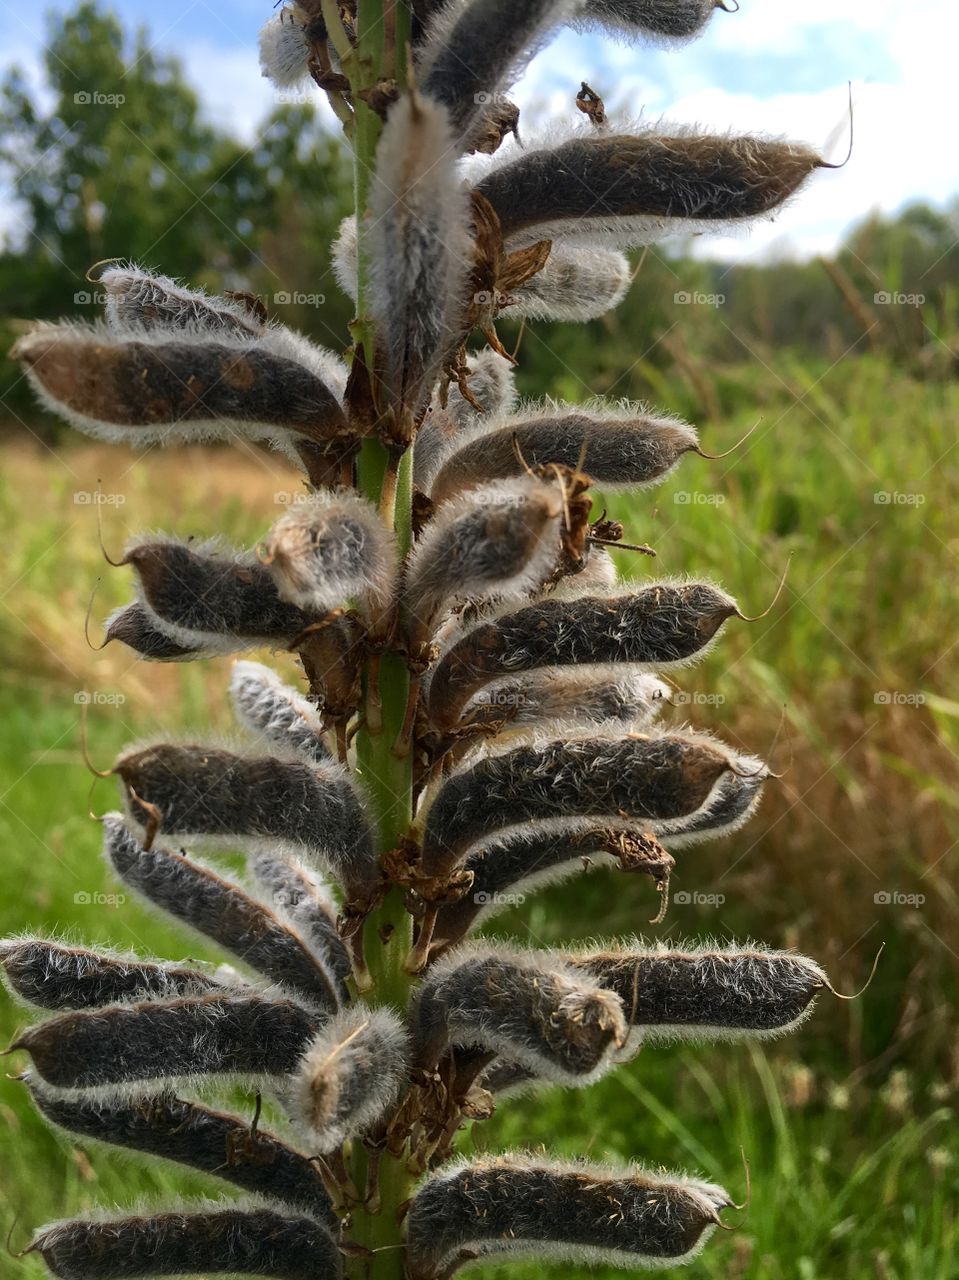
710, 993
491, 383
571, 696
624, 448
575, 1213
171, 1040
196, 896
53, 975
577, 284
474, 51
297, 892
330, 549
670, 20
276, 714
133, 625
530, 1007
351, 1076
633, 189
196, 792
736, 800
420, 255
654, 780
284, 48
190, 1134
244, 1241
667, 624
509, 870
210, 600
138, 298
156, 388
501, 541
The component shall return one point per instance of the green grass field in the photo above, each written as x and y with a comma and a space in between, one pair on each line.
849, 1126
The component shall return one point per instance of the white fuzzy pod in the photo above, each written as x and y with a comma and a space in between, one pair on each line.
420, 253
351, 1076
501, 541
577, 284
276, 714
578, 1213
284, 48
330, 549
137, 297
669, 21
344, 254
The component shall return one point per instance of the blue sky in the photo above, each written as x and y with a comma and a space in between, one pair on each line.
774, 67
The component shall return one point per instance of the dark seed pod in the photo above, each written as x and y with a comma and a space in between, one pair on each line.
276, 714
576, 1213
193, 791
507, 871
473, 51
157, 388
245, 1241
489, 378
710, 993
569, 696
736, 800
208, 600
654, 780
196, 896
666, 624
529, 1007
297, 892
53, 975
672, 20
351, 1076
632, 189
133, 625
137, 298
628, 448
577, 284
172, 1040
190, 1134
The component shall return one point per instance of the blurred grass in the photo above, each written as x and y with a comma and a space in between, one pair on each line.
848, 1126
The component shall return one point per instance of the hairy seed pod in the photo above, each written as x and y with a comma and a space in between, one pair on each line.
297, 892
284, 48
501, 541
418, 246
170, 1040
473, 51
330, 549
577, 284
190, 1134
351, 1076
571, 696
654, 780
138, 298
197, 792
157, 388
276, 714
244, 1241
134, 625
736, 800
621, 448
209, 599
671, 20
53, 975
507, 871
666, 624
576, 1213
530, 1007
709, 993
489, 377
196, 896
633, 189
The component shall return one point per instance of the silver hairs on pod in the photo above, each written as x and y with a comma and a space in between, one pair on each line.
275, 713
491, 383
351, 1076
669, 20
527, 1006
578, 283
244, 1240
138, 298
575, 697
134, 626
285, 48
571, 1212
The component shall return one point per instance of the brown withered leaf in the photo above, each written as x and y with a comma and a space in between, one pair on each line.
487, 138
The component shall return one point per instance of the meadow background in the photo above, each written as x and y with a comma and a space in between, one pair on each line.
849, 364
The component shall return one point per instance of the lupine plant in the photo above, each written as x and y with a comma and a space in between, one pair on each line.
480, 706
